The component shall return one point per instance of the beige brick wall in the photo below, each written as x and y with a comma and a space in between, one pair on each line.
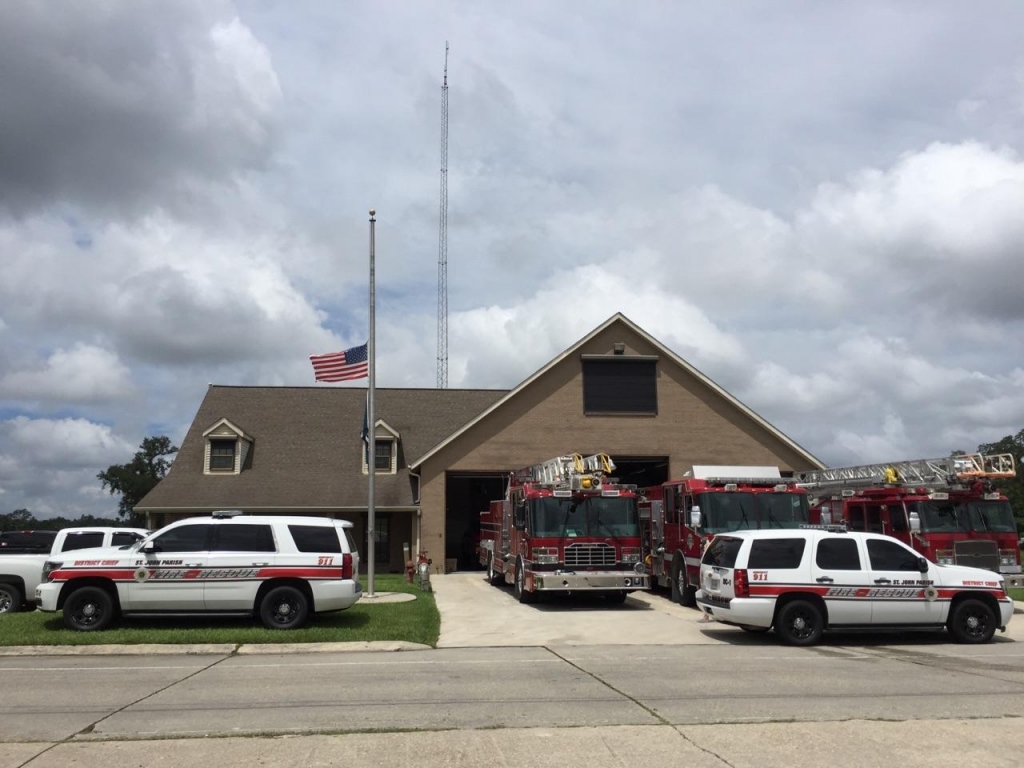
694, 425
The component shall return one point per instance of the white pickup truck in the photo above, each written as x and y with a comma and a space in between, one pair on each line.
21, 574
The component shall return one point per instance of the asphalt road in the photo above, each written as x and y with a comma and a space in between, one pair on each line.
707, 695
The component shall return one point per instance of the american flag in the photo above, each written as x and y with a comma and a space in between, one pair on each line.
341, 366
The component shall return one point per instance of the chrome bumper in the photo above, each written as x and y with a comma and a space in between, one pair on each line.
570, 581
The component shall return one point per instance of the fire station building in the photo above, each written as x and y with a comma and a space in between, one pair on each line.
443, 454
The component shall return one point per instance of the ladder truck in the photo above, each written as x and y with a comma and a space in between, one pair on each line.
680, 517
565, 525
948, 509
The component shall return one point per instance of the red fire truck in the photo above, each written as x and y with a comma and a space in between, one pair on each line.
679, 517
564, 526
947, 509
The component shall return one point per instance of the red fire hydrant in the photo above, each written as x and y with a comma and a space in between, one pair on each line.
410, 571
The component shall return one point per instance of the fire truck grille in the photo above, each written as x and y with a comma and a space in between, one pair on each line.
589, 555
977, 554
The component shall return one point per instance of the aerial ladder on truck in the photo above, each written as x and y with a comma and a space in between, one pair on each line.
572, 470
948, 472
947, 509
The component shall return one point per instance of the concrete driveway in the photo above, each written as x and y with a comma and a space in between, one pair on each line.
473, 614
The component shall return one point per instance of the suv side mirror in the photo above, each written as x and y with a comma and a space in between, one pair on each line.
695, 517
915, 522
922, 564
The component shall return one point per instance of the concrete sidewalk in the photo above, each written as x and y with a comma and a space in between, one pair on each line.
994, 743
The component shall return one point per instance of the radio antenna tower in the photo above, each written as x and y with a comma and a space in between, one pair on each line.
442, 241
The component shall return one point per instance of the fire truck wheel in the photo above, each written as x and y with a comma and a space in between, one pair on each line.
799, 623
520, 588
971, 621
493, 577
88, 609
678, 572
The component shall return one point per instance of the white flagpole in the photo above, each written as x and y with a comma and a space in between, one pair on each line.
371, 448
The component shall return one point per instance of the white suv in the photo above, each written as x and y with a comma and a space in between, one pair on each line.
281, 569
804, 581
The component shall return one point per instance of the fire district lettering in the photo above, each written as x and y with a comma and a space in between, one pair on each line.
871, 592
212, 573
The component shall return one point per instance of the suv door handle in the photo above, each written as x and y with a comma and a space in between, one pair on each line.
824, 579
192, 565
882, 581
259, 564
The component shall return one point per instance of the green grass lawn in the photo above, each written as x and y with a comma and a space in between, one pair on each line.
1017, 593
415, 621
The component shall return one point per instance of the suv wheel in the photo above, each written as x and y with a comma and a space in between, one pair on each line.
10, 599
972, 621
799, 623
88, 609
284, 608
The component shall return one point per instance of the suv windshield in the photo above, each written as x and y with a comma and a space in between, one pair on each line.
589, 516
737, 511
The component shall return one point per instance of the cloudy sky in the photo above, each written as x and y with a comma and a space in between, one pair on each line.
820, 205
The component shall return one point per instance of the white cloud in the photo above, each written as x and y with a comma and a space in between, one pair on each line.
56, 443
80, 375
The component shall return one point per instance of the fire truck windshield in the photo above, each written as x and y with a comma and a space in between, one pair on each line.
941, 516
994, 516
736, 511
586, 516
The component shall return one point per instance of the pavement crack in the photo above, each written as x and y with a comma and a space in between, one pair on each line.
92, 726
705, 750
652, 712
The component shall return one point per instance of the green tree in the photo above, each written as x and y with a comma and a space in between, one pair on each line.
139, 476
1014, 489
18, 520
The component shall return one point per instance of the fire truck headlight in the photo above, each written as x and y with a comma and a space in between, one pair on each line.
945, 557
545, 555
631, 554
1007, 557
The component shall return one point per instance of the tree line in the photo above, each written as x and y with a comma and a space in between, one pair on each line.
133, 480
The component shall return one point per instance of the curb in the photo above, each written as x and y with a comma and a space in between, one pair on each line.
212, 649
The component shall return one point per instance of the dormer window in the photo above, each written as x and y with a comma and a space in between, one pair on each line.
222, 455
382, 459
227, 448
385, 450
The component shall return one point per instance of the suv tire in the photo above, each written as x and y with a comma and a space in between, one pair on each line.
284, 607
88, 609
10, 598
971, 621
799, 622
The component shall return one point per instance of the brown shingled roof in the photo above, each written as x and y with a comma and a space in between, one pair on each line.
306, 449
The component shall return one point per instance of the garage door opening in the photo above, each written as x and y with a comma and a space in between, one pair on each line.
467, 494
641, 471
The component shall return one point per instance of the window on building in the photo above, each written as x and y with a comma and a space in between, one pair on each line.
222, 455
382, 539
620, 385
382, 457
